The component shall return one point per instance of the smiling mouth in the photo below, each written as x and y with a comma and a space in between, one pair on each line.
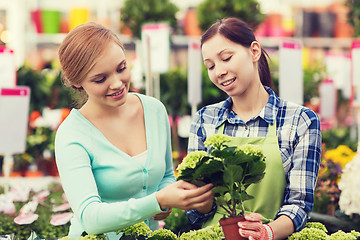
228, 82
116, 94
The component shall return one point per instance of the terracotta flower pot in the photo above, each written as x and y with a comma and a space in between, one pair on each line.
230, 228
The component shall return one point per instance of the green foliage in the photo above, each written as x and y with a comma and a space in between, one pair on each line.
173, 91
334, 137
354, 15
177, 221
211, 10
134, 13
317, 231
139, 229
230, 169
210, 232
163, 234
309, 234
46, 88
312, 79
316, 225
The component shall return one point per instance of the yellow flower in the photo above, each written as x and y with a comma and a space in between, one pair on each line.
342, 155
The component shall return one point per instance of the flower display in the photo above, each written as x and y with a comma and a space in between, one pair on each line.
230, 169
327, 192
342, 155
29, 212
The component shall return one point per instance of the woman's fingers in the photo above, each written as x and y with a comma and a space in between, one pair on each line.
184, 195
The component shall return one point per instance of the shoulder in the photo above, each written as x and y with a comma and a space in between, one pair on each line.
297, 114
149, 102
211, 111
74, 126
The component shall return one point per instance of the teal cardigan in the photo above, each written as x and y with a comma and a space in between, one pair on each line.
107, 189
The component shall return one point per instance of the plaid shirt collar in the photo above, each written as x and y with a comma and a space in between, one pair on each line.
268, 113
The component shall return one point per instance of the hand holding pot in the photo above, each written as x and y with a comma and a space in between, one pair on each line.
253, 228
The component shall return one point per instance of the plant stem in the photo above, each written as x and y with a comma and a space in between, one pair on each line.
222, 206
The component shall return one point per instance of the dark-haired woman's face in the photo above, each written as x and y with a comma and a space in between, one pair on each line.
231, 66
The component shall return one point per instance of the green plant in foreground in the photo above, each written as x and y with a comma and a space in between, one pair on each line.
230, 169
163, 234
211, 232
317, 231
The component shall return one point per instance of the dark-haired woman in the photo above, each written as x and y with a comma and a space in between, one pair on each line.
289, 133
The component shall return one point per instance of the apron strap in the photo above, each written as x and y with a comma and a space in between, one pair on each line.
271, 129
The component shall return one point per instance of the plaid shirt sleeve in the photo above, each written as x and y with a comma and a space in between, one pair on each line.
304, 162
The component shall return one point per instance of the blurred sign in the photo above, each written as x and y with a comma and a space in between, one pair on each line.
159, 36
7, 68
291, 71
338, 65
14, 112
328, 99
194, 72
355, 71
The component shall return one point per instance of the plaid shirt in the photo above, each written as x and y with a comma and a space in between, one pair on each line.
298, 131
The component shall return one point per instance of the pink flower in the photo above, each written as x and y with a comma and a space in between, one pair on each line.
61, 218
161, 224
28, 208
26, 219
6, 205
61, 207
41, 196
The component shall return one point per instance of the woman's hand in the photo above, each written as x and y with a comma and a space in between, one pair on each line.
253, 228
184, 195
162, 216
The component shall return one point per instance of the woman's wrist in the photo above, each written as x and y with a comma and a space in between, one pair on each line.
159, 198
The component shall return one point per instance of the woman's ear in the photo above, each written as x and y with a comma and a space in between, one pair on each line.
255, 50
77, 87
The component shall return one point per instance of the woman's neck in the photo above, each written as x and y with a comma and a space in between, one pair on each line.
250, 104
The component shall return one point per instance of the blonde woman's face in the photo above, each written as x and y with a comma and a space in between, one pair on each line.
231, 66
108, 82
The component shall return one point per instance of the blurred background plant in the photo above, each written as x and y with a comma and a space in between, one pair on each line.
135, 13
354, 15
211, 10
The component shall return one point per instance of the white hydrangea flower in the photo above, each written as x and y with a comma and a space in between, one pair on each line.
349, 185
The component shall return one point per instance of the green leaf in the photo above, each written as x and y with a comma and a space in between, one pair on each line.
236, 196
187, 175
256, 168
220, 190
232, 174
220, 201
253, 179
245, 196
208, 169
238, 158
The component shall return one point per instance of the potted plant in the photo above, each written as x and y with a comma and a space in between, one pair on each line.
231, 170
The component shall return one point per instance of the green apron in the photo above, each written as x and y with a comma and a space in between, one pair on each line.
269, 192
